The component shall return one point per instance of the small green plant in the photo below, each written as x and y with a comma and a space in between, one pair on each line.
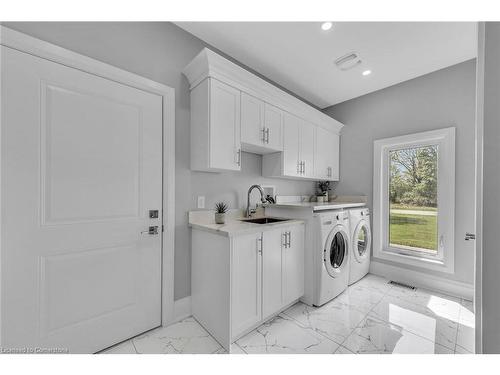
324, 186
221, 207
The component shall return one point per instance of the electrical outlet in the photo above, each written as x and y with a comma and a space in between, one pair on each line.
201, 201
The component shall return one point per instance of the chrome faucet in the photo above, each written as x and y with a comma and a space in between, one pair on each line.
249, 211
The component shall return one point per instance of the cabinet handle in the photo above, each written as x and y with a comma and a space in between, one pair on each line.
259, 245
299, 164
267, 135
263, 139
304, 171
284, 240
239, 157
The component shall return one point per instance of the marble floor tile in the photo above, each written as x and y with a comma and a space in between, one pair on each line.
374, 336
360, 297
460, 350
343, 350
438, 304
374, 282
466, 327
283, 335
336, 320
126, 347
186, 336
235, 349
416, 319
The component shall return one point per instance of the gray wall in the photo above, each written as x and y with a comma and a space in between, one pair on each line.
437, 100
491, 189
160, 51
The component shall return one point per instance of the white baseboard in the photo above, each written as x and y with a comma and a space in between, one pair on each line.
423, 280
182, 308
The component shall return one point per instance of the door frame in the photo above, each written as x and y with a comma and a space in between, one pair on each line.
36, 47
478, 243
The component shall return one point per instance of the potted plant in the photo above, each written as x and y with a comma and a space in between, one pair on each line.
323, 187
220, 212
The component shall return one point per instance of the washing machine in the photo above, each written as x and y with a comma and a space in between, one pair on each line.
332, 255
361, 240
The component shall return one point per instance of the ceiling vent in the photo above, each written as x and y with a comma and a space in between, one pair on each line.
348, 61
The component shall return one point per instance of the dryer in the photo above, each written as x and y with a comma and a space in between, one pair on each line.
361, 240
332, 255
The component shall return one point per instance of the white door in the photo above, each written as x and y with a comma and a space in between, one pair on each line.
81, 166
246, 281
225, 146
273, 119
293, 265
291, 142
252, 120
307, 131
271, 272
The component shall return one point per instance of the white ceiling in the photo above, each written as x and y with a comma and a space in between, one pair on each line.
300, 55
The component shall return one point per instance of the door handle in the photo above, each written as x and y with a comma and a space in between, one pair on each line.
239, 157
152, 230
470, 236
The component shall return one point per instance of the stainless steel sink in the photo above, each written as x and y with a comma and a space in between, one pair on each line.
264, 220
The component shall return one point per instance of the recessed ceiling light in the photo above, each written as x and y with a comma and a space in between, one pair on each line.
367, 72
326, 26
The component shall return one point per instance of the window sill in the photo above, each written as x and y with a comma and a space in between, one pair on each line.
415, 260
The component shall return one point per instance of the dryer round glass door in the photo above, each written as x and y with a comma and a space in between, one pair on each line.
361, 242
336, 252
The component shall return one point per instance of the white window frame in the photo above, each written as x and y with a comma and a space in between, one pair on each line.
444, 261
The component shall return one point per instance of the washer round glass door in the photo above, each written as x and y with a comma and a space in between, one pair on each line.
336, 251
362, 240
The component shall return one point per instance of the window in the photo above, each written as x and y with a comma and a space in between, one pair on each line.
414, 199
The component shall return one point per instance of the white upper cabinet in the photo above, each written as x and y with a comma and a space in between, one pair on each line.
215, 127
234, 110
307, 133
326, 161
290, 158
261, 125
273, 128
252, 121
298, 156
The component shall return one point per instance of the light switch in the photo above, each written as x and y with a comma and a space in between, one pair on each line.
201, 201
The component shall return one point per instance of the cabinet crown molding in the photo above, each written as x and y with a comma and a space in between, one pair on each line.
210, 64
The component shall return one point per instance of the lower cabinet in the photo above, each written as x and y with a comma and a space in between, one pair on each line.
265, 283
262, 273
246, 281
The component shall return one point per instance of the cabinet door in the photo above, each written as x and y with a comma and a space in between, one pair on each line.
293, 265
307, 132
272, 298
273, 125
252, 120
324, 150
291, 127
246, 276
334, 157
225, 148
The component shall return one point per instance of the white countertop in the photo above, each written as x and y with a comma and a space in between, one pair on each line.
340, 202
235, 224
315, 206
